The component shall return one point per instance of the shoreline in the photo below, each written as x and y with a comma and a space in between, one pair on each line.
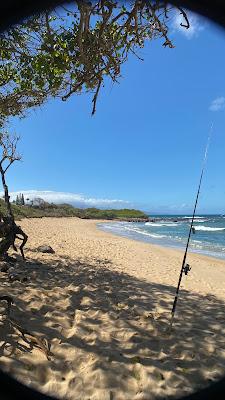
167, 246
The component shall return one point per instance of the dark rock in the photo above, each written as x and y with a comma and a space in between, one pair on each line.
133, 219
8, 258
14, 277
45, 249
4, 268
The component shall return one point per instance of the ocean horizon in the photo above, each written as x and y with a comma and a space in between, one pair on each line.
172, 231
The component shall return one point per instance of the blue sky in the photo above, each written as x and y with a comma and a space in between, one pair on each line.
146, 143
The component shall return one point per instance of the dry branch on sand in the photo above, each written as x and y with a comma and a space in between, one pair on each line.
29, 338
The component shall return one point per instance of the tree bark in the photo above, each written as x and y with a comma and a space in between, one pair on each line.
6, 193
8, 228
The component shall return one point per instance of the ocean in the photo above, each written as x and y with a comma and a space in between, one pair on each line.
172, 231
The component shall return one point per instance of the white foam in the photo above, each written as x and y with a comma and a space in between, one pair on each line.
152, 224
153, 236
200, 220
208, 228
196, 217
162, 224
141, 232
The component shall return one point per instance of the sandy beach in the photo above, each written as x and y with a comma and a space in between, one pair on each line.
103, 302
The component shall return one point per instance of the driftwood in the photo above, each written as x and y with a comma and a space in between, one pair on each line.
30, 338
9, 232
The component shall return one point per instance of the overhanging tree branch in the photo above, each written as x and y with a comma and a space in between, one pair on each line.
67, 52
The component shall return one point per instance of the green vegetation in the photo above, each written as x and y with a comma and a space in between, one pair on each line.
66, 210
76, 49
125, 213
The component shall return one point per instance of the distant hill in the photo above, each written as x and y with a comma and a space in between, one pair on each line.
45, 209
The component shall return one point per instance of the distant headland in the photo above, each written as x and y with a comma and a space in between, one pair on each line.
39, 208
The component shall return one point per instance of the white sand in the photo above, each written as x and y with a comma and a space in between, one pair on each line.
104, 303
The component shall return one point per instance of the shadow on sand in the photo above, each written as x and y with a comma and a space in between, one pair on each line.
108, 333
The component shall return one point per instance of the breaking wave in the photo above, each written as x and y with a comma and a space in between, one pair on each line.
208, 228
165, 231
160, 224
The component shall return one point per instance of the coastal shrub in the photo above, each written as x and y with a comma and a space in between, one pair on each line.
66, 210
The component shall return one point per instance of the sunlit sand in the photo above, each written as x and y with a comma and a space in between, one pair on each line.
104, 302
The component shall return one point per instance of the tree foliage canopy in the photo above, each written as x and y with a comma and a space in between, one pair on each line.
73, 50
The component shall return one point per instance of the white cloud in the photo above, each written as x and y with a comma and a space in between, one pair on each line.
196, 24
78, 200
217, 104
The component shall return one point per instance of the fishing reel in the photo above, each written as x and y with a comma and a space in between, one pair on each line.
186, 269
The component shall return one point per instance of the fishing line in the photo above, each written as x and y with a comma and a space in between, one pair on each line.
185, 268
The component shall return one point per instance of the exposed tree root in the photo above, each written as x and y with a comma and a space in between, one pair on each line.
9, 231
29, 338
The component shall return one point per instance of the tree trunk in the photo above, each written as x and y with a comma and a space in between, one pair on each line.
5, 244
8, 228
6, 193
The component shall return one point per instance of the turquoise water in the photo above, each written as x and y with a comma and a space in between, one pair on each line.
172, 231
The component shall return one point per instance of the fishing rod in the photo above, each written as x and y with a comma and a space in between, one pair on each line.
185, 268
